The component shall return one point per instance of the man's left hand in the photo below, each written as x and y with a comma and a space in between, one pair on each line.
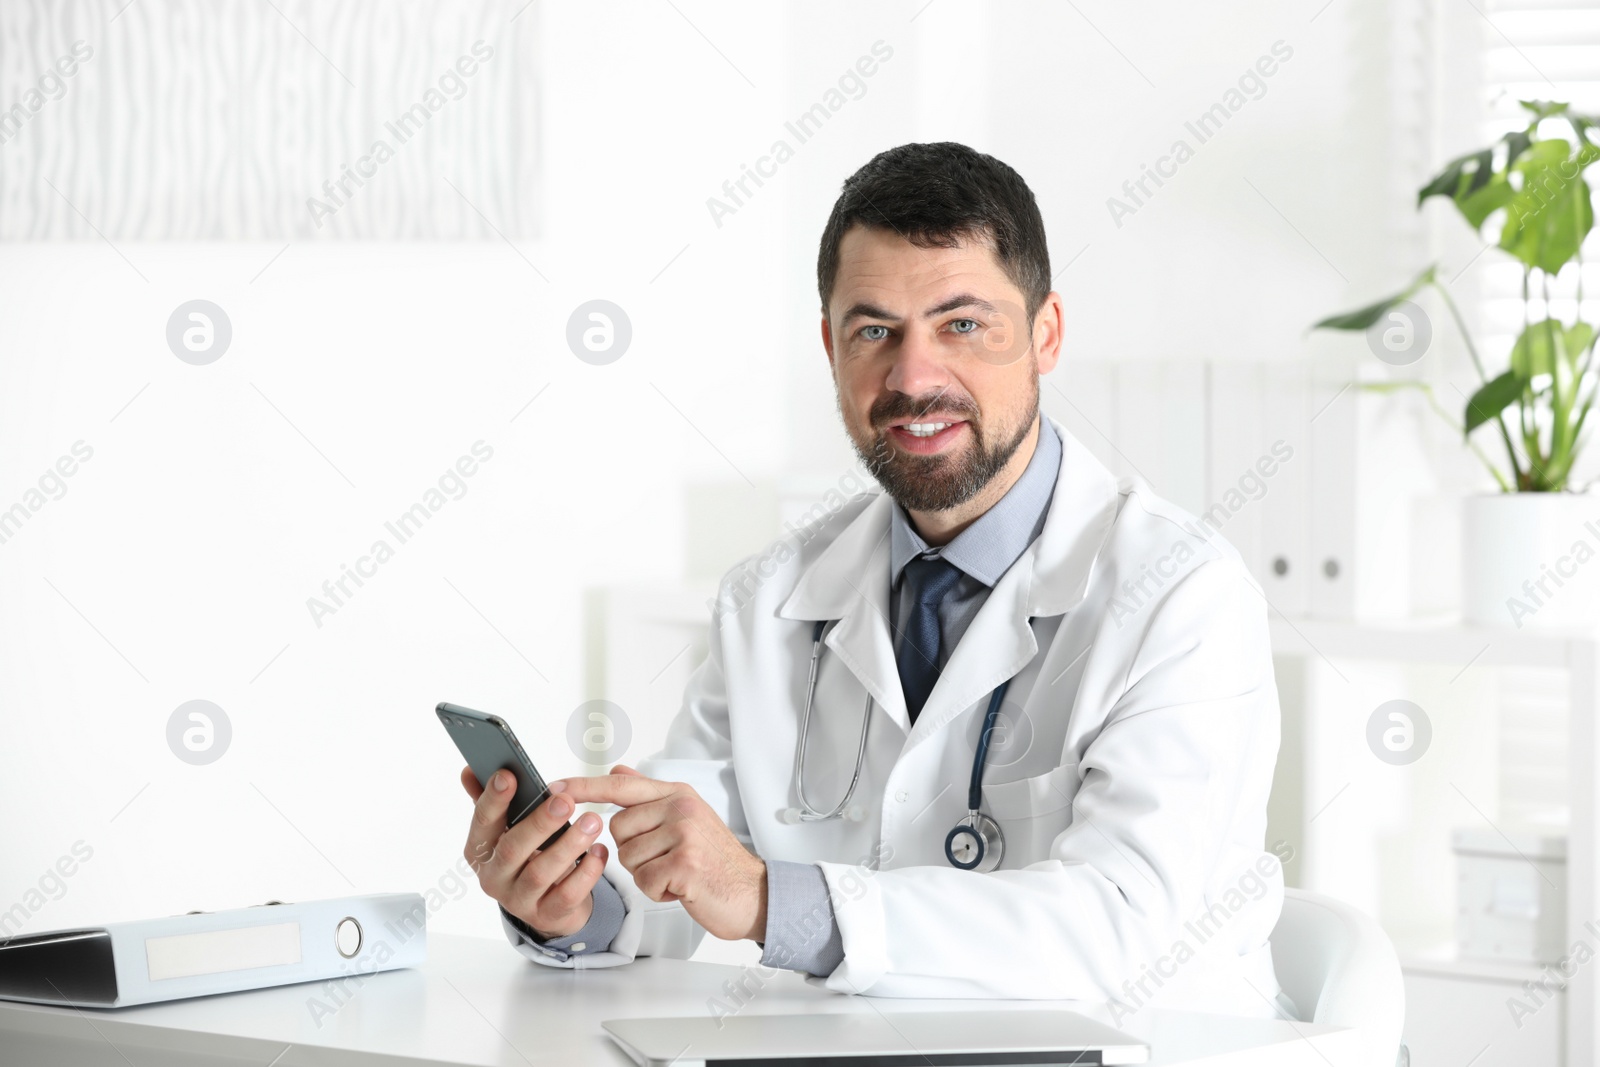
678, 848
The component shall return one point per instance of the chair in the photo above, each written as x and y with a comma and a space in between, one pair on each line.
1339, 967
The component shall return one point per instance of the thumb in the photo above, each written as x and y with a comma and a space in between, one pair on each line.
623, 768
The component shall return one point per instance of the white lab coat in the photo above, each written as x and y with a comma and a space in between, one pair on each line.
1132, 792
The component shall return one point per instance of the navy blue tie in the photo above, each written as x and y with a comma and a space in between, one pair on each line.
929, 580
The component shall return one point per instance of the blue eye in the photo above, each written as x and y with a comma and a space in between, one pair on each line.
866, 332
969, 323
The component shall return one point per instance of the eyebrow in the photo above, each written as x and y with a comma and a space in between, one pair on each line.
863, 310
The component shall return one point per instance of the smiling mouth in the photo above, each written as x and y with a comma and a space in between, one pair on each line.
925, 436
925, 429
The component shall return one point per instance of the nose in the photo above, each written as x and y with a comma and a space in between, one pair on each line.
918, 367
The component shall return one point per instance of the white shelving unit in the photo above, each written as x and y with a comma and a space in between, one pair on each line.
1577, 652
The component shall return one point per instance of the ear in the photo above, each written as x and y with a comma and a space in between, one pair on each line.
827, 338
1048, 328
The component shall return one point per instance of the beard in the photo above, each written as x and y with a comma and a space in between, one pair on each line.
947, 480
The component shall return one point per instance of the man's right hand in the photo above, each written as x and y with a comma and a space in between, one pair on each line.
549, 890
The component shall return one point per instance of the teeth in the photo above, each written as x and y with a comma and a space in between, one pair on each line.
925, 429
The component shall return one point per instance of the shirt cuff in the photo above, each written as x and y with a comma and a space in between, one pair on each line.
802, 934
595, 936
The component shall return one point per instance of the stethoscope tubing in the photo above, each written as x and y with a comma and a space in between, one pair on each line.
808, 813
981, 759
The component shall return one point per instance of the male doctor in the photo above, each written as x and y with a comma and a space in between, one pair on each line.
1125, 787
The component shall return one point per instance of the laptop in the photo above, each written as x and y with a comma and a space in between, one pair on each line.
876, 1039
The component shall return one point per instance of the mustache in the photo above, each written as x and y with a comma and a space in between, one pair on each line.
896, 405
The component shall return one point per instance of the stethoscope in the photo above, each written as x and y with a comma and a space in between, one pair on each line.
974, 844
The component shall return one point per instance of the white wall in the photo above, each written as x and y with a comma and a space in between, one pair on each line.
178, 564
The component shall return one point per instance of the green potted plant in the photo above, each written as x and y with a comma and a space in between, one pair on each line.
1524, 548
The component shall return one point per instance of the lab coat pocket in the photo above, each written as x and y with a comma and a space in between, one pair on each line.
1032, 812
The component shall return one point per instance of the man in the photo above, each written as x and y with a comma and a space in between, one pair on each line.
1129, 773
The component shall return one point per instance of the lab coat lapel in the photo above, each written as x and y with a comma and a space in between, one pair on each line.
850, 582
1082, 511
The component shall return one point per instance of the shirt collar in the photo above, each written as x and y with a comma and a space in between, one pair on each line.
987, 549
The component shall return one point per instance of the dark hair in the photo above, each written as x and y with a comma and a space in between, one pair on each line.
935, 195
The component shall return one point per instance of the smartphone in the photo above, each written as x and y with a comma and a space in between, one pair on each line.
489, 746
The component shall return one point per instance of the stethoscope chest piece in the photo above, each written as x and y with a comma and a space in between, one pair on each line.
976, 844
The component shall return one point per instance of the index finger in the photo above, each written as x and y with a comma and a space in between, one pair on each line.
622, 789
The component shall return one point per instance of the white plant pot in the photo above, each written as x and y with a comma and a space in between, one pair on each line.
1531, 559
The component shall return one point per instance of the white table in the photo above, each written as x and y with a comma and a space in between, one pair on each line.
477, 1003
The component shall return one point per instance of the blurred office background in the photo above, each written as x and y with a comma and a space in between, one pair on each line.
397, 219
